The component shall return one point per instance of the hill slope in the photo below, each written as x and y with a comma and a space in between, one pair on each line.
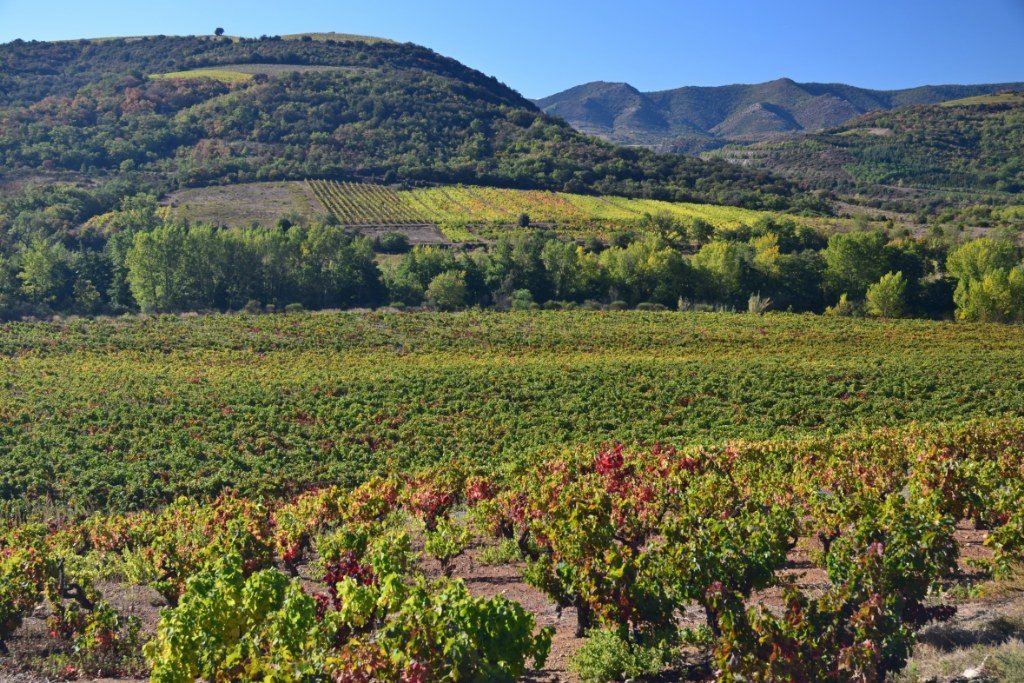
698, 118
167, 112
975, 144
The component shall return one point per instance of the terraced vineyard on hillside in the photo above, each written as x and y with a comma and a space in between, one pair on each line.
365, 204
491, 210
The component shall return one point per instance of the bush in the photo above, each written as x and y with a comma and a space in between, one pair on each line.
447, 291
605, 656
843, 308
252, 307
227, 627
648, 306
887, 297
21, 585
758, 305
444, 633
1009, 662
506, 551
393, 243
522, 300
294, 308
446, 543
618, 306
620, 240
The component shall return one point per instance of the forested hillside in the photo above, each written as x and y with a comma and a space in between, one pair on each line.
974, 144
99, 114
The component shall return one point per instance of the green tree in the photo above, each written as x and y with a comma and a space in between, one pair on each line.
977, 258
566, 268
855, 260
989, 281
45, 272
646, 270
164, 270
671, 230
700, 231
515, 263
86, 297
447, 291
996, 297
724, 268
887, 297
407, 278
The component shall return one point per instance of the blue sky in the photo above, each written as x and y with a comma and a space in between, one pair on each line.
541, 47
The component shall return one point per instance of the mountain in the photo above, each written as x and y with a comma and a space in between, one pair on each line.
694, 119
972, 145
113, 116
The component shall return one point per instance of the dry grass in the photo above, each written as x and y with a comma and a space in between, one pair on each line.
243, 204
222, 75
996, 98
985, 638
239, 73
338, 37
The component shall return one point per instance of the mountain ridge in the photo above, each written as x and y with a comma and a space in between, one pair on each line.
96, 121
692, 119
968, 145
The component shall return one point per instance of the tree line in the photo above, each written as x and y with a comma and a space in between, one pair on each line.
139, 260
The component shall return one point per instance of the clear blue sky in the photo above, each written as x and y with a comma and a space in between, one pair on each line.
542, 46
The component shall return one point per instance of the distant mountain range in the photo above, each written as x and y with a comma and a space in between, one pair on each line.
696, 119
975, 144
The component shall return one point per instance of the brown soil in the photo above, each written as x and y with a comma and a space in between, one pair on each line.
33, 640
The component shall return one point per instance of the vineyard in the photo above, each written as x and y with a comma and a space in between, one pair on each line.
364, 204
494, 205
493, 211
424, 497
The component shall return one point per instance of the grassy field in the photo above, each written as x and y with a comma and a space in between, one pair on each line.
239, 73
127, 413
997, 98
339, 37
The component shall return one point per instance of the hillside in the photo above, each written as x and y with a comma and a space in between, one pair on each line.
693, 119
464, 213
160, 113
973, 145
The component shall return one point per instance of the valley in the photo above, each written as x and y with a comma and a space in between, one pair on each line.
330, 358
